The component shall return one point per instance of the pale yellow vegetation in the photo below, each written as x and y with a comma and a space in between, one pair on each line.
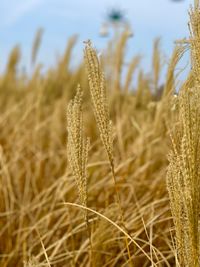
130, 196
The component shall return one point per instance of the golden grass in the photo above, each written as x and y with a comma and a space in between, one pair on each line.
136, 183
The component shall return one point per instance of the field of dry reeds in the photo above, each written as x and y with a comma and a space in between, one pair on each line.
98, 168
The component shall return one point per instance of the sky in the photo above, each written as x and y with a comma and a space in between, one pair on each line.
60, 19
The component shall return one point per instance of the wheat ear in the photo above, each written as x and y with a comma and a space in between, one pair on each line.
183, 178
77, 148
99, 99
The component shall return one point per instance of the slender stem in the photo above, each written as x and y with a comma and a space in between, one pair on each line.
121, 210
90, 238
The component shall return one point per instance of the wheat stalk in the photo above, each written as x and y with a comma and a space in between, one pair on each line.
36, 45
78, 145
100, 107
156, 63
183, 178
132, 67
99, 99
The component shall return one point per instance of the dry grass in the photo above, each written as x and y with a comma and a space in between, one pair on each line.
132, 216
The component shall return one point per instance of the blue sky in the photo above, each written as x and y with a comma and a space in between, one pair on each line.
62, 18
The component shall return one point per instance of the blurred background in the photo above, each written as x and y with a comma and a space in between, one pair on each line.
60, 19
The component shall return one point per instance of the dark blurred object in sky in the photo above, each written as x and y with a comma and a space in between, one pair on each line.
116, 20
116, 16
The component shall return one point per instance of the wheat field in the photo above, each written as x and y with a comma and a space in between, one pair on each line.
98, 168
